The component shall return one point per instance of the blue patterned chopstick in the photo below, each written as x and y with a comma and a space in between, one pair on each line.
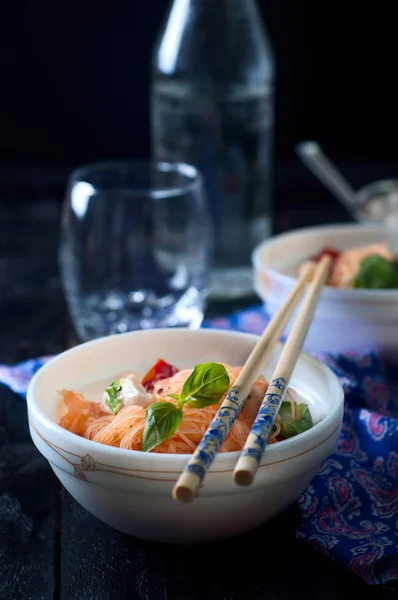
195, 471
253, 450
258, 437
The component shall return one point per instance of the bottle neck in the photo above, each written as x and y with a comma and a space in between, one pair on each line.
215, 40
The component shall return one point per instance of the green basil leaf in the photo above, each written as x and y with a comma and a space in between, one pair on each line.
112, 399
377, 273
290, 427
161, 421
205, 386
180, 401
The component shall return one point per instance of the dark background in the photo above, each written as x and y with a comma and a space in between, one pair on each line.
74, 87
75, 77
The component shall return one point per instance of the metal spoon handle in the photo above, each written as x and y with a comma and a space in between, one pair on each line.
312, 156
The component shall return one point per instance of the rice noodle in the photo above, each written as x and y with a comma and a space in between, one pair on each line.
124, 430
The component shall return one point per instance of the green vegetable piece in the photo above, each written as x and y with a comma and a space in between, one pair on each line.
178, 398
161, 421
112, 396
205, 386
290, 427
377, 273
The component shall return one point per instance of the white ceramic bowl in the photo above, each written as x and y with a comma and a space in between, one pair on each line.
131, 491
345, 319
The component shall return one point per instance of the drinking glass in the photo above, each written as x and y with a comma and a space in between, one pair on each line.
136, 241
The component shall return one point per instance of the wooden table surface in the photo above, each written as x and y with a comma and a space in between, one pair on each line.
50, 547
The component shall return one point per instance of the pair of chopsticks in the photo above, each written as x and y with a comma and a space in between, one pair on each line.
194, 473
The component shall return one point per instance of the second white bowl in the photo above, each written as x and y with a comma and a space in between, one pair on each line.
345, 319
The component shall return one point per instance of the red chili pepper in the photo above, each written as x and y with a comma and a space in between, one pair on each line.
160, 370
326, 251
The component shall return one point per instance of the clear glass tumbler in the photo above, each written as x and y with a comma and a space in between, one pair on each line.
135, 247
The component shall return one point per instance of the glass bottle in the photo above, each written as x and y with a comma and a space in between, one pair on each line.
212, 106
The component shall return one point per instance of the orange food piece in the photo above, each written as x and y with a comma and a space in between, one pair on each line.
79, 413
160, 370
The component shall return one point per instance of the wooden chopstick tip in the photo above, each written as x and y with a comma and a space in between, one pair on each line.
245, 470
243, 477
182, 494
185, 488
308, 271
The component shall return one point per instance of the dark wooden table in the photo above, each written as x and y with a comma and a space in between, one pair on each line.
50, 547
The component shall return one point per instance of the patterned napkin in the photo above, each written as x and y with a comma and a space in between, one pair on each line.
350, 510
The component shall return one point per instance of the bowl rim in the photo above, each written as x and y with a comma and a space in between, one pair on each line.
149, 457
331, 293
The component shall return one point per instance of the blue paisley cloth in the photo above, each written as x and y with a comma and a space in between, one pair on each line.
349, 512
